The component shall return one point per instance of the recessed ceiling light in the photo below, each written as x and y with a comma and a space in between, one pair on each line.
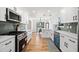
33, 11
63, 11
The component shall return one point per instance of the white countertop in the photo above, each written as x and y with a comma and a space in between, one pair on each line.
5, 37
68, 34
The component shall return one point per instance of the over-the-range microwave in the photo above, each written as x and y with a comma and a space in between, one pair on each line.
12, 15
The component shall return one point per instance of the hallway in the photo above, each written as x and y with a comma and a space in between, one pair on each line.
39, 44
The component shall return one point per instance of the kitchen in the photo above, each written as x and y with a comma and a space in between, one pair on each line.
58, 27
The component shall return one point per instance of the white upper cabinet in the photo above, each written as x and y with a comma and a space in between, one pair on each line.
23, 16
69, 14
2, 14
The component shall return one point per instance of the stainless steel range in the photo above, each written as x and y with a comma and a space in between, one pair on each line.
19, 39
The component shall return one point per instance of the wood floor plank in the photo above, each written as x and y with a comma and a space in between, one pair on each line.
40, 44
37, 44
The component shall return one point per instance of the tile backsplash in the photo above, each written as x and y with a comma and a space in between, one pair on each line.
6, 27
70, 27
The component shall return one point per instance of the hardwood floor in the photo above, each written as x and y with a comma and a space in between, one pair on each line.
37, 44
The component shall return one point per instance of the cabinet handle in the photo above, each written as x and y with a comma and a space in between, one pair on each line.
8, 43
66, 44
75, 17
71, 40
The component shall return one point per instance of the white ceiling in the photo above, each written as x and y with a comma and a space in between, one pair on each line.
41, 11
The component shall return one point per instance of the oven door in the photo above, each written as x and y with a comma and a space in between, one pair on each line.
22, 44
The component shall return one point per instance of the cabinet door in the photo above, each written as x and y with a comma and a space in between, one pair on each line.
62, 41
69, 14
23, 15
20, 12
2, 13
68, 44
72, 44
24, 18
72, 14
8, 46
12, 45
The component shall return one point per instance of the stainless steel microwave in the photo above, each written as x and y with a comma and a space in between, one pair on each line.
12, 15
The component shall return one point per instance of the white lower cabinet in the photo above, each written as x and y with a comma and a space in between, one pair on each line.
72, 44
62, 43
8, 45
68, 44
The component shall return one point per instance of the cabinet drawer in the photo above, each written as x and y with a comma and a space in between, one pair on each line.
68, 44
63, 43
7, 49
7, 46
72, 45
